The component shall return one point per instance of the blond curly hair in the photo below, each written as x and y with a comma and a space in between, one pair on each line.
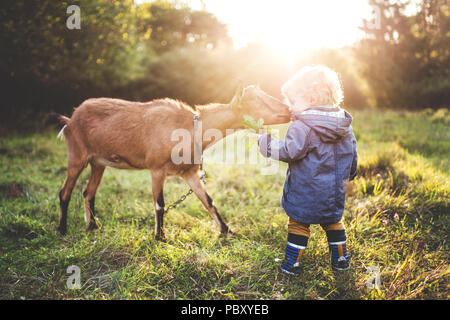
317, 83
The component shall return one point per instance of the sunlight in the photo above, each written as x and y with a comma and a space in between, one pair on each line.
291, 27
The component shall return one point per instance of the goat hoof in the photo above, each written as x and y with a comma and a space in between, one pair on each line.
227, 233
62, 230
91, 226
161, 238
225, 230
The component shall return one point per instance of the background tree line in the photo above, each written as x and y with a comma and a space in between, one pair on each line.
166, 49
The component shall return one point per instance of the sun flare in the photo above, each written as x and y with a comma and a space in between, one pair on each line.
291, 27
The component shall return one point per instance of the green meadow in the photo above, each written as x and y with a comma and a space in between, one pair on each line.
396, 219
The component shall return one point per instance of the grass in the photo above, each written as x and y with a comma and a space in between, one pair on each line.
396, 219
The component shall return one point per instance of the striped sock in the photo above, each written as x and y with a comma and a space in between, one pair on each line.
337, 241
295, 247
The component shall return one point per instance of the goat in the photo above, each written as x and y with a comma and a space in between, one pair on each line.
137, 135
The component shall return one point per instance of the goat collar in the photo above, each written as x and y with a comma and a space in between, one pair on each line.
197, 146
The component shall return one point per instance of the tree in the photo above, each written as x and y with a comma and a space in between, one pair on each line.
46, 66
171, 27
405, 59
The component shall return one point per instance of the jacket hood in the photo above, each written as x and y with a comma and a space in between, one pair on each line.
330, 123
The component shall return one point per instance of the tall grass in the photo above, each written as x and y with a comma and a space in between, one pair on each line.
396, 219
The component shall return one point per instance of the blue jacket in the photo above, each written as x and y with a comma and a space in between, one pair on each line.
320, 148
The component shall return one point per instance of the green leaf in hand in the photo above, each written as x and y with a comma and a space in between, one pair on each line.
250, 123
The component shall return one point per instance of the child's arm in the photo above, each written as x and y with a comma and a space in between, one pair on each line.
293, 147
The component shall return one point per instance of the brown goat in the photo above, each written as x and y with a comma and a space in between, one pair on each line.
137, 135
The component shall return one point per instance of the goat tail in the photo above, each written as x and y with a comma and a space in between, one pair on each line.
62, 121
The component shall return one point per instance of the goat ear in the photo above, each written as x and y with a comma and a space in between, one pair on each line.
236, 101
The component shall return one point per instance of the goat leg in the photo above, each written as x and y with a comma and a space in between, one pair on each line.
89, 196
194, 181
158, 178
73, 172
